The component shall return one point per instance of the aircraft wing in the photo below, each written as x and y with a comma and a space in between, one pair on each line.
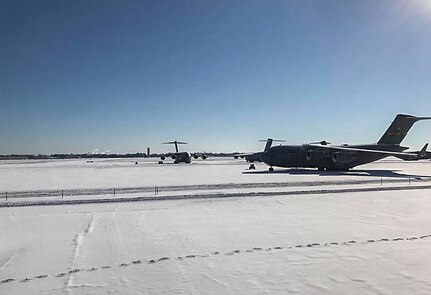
345, 148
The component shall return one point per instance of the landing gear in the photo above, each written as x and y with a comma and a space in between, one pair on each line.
271, 169
321, 169
251, 167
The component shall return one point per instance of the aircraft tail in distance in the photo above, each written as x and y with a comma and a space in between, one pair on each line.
176, 144
399, 128
269, 142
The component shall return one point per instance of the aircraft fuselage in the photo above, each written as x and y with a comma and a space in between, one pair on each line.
331, 159
182, 157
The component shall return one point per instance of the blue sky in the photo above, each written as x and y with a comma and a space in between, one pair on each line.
125, 75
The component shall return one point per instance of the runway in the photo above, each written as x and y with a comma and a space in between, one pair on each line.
213, 226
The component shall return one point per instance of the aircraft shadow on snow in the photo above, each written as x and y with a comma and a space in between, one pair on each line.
375, 173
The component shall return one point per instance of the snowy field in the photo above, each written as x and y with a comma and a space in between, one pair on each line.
213, 228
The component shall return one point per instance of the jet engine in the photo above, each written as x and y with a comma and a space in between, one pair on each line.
344, 157
317, 155
162, 158
195, 156
173, 157
204, 157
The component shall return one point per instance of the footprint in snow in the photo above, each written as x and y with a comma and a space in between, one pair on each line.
124, 264
74, 271
25, 280
106, 266
60, 275
163, 258
136, 261
7, 281
41, 276
92, 269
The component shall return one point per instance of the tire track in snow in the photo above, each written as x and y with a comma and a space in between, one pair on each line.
5, 262
214, 196
119, 247
79, 239
217, 253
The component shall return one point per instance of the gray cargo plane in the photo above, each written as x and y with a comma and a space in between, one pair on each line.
180, 157
325, 156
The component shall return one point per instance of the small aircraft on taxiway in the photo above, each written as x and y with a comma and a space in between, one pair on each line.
180, 157
325, 156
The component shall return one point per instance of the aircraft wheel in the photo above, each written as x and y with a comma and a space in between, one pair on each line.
271, 169
321, 169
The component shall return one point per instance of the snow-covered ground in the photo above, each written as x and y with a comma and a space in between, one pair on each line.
233, 231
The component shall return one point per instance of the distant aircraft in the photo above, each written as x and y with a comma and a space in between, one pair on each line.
255, 157
325, 156
180, 157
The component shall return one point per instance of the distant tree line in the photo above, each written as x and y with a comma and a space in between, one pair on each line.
97, 156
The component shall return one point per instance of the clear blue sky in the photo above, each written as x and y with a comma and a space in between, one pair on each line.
124, 75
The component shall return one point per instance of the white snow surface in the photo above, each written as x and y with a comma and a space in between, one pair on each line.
357, 242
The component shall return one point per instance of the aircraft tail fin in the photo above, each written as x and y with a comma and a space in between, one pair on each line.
269, 142
176, 144
423, 151
399, 128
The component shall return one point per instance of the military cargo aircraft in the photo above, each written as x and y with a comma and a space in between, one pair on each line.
325, 156
180, 157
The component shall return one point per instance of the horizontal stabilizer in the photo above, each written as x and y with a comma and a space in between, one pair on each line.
273, 140
175, 142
